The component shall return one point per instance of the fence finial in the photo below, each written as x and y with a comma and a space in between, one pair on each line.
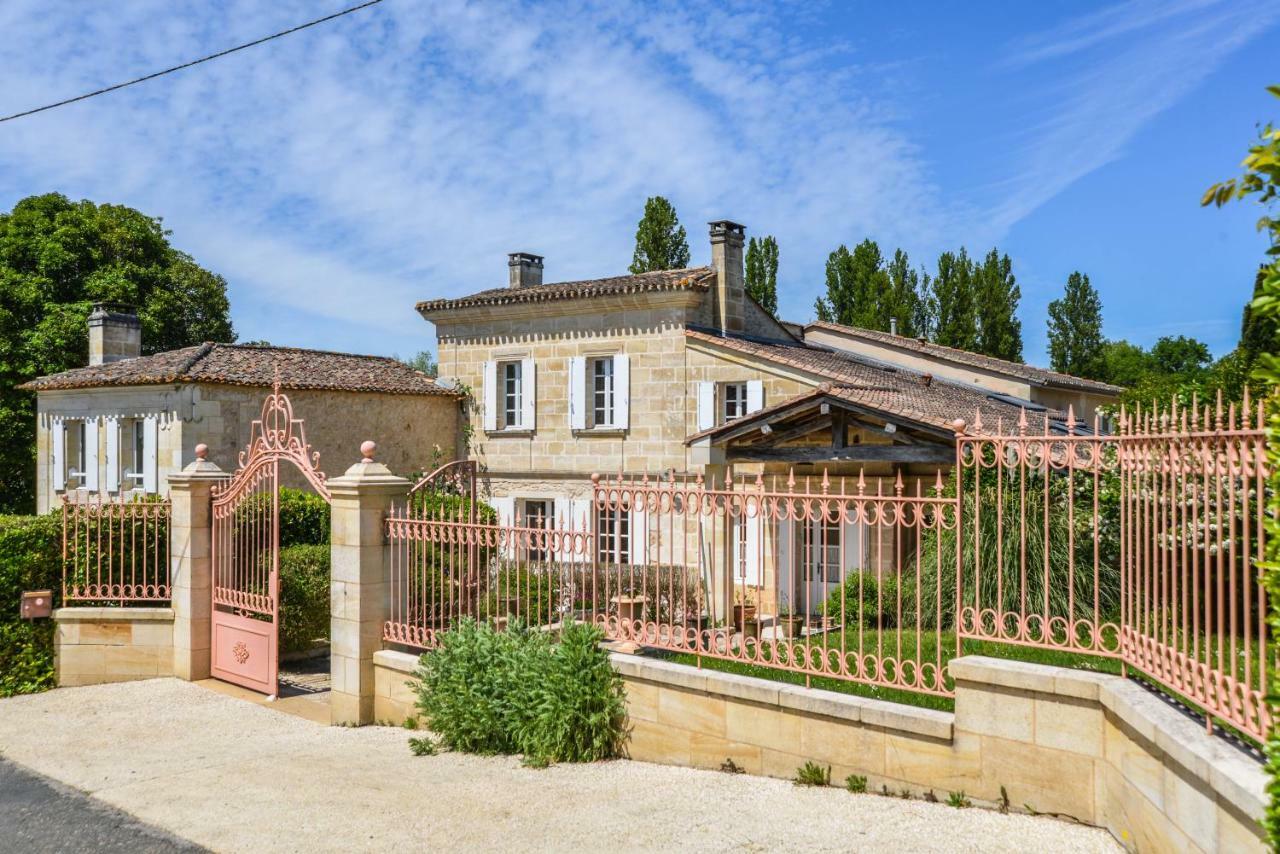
367, 449
202, 451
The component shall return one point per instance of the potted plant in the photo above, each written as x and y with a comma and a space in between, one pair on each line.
789, 623
742, 612
630, 609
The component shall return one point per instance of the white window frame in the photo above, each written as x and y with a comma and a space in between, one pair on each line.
733, 402
511, 393
603, 392
596, 408
544, 519
613, 536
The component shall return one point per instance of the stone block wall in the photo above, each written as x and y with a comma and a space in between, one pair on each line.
393, 697
95, 645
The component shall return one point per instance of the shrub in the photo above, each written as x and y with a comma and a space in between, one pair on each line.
879, 599
304, 516
422, 746
304, 596
958, 800
30, 559
856, 784
488, 691
578, 711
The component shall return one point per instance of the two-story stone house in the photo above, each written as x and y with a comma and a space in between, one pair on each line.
680, 371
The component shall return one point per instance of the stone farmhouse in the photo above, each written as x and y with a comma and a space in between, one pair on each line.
680, 372
124, 423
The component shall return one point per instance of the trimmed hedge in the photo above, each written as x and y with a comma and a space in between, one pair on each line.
516, 691
30, 559
304, 596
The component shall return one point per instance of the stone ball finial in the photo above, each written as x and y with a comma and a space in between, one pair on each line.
595, 477
367, 450
958, 425
202, 451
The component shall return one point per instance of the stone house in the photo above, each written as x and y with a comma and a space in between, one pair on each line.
681, 372
124, 423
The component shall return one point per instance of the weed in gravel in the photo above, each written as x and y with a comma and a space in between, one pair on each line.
535, 762
813, 774
958, 800
905, 794
931, 797
730, 767
423, 747
1004, 799
884, 790
855, 784
410, 722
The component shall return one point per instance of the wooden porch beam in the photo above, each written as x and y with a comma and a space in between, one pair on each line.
939, 454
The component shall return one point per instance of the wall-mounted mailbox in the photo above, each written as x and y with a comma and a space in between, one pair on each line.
36, 604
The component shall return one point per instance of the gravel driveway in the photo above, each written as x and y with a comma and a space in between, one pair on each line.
234, 776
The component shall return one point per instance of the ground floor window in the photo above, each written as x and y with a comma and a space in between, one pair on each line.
537, 514
613, 535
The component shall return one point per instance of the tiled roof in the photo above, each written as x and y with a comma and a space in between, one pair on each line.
251, 365
689, 278
1031, 373
894, 391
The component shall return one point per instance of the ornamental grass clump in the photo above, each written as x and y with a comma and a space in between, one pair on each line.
516, 691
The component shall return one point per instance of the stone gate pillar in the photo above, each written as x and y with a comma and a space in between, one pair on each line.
190, 542
360, 596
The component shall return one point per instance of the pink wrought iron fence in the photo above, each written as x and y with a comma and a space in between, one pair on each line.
115, 551
1143, 545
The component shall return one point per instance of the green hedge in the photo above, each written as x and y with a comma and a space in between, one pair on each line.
30, 559
304, 516
516, 691
304, 596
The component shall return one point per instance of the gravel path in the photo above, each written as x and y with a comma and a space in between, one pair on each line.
233, 776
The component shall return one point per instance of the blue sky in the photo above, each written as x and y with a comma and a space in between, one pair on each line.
339, 175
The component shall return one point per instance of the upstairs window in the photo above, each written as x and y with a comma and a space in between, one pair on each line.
602, 409
599, 392
733, 400
509, 395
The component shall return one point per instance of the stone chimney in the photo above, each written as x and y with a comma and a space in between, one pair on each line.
114, 333
728, 299
526, 269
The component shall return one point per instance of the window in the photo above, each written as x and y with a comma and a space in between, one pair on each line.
512, 394
134, 462
820, 555
613, 536
76, 454
734, 401
537, 514
602, 408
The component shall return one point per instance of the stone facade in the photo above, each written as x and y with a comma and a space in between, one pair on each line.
95, 645
413, 432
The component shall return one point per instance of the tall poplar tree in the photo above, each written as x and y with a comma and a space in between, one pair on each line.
762, 272
955, 315
996, 295
1075, 330
857, 287
661, 242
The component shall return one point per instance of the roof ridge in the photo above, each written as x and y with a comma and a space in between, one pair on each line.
201, 351
249, 346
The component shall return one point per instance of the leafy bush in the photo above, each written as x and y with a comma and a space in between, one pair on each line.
304, 596
879, 600
813, 774
304, 516
488, 691
578, 711
30, 559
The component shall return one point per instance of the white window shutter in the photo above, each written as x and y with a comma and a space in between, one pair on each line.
578, 393
112, 483
150, 454
489, 396
755, 395
852, 557
640, 537
786, 564
528, 395
58, 453
621, 391
89, 480
506, 508
706, 405
746, 543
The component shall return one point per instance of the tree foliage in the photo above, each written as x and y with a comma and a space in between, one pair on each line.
1075, 329
955, 320
1261, 182
762, 272
661, 242
997, 294
57, 257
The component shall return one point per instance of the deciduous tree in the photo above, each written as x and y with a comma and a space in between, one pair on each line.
1075, 329
996, 294
57, 257
956, 315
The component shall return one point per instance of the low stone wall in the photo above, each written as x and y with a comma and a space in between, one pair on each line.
1097, 748
393, 699
93, 645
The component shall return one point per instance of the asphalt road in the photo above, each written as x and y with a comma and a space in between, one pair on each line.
39, 815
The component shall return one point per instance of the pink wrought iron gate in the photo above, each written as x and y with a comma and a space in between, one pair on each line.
246, 547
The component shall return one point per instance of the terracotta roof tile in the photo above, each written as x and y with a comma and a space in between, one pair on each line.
1039, 376
689, 278
895, 391
251, 365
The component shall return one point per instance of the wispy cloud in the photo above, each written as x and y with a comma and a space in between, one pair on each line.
339, 175
1106, 75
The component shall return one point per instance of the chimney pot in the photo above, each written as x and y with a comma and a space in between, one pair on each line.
893, 326
525, 269
115, 333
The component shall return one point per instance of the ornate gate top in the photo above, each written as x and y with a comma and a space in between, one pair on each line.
277, 435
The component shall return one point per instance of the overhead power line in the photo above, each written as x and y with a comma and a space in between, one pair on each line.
211, 56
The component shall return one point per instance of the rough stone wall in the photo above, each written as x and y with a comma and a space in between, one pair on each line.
95, 645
